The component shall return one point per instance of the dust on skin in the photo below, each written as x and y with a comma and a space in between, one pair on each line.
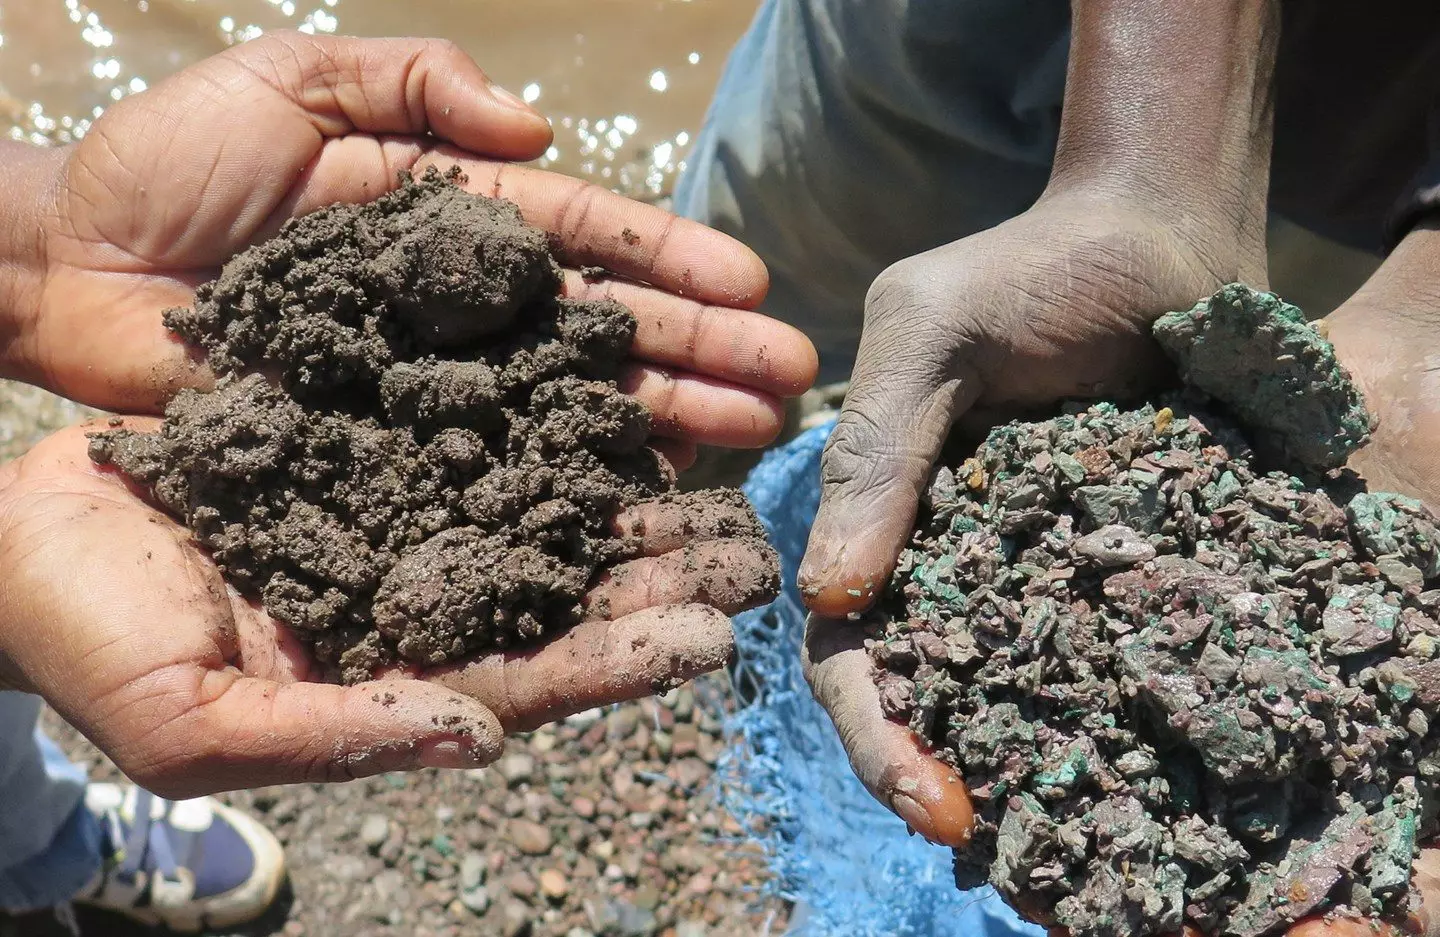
415, 446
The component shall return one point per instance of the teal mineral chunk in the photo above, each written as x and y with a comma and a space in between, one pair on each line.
1395, 530
1357, 620
1397, 842
1304, 877
1137, 508
1256, 354
1185, 689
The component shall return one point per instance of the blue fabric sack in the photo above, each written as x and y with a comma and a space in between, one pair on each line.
846, 861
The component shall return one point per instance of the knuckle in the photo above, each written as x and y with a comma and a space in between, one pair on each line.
864, 453
902, 289
447, 49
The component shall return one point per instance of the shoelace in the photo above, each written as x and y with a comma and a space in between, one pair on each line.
148, 838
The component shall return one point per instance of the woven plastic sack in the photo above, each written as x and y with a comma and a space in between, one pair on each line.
846, 861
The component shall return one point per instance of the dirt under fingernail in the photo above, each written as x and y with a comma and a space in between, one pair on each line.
416, 445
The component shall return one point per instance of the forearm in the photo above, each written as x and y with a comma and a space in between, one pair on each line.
27, 200
1172, 102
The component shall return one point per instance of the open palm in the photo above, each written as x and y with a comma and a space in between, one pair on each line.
172, 182
111, 611
125, 625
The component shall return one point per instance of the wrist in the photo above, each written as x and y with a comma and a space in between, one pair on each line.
1404, 292
1171, 106
27, 207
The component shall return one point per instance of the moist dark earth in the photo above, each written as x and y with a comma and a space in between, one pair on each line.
1187, 681
416, 445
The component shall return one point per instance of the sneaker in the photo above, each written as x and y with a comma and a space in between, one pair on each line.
187, 865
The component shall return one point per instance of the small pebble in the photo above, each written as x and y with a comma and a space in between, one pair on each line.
374, 830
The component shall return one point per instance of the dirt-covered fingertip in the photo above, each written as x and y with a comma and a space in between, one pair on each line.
729, 575
678, 520
852, 552
927, 793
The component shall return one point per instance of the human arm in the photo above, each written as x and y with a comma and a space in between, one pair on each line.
1157, 197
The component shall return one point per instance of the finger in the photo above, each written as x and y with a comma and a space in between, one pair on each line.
902, 402
1344, 927
146, 658
692, 517
389, 86
733, 345
594, 664
731, 575
678, 452
887, 758
215, 729
698, 409
596, 227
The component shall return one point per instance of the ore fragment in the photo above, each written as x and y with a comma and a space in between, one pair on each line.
1184, 686
1257, 355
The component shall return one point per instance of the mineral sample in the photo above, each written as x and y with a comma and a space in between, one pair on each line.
1183, 685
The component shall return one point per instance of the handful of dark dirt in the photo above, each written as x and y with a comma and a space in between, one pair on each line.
416, 447
1182, 689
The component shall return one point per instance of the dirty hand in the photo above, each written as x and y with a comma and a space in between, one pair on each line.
1157, 196
1055, 303
1385, 336
113, 614
1388, 337
171, 182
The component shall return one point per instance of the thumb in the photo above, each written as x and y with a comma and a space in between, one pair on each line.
907, 391
886, 756
218, 730
388, 86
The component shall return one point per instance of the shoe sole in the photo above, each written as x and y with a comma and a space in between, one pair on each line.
246, 903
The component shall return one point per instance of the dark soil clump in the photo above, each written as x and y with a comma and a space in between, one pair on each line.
1182, 688
416, 446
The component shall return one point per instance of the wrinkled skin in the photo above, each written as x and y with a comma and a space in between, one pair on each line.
1056, 303
189, 687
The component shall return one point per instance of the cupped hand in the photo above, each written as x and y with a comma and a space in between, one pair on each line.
1387, 336
1055, 303
123, 623
171, 182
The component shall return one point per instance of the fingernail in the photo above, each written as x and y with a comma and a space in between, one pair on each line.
911, 812
946, 827
509, 98
448, 753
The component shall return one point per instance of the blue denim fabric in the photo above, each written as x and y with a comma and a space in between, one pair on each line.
49, 842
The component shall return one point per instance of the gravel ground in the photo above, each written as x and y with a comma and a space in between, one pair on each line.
602, 825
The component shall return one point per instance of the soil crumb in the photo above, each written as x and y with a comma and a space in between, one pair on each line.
1184, 686
416, 446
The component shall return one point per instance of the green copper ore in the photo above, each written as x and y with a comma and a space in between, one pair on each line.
1257, 355
1182, 688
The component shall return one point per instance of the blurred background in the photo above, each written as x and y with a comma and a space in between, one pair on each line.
624, 81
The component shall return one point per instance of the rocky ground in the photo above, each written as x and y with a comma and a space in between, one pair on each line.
603, 825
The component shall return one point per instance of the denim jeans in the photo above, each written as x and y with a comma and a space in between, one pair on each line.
847, 135
49, 842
